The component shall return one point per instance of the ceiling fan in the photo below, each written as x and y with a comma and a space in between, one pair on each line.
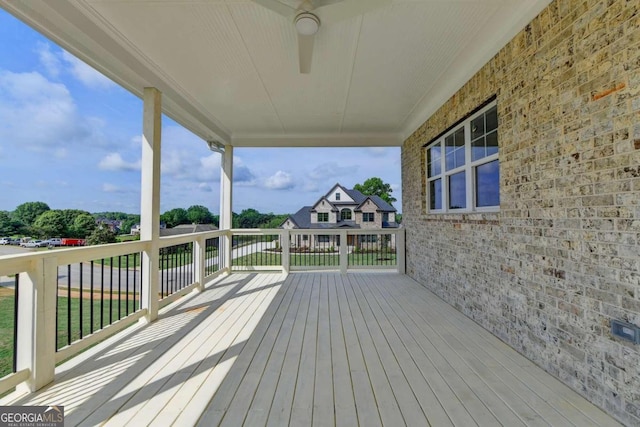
310, 14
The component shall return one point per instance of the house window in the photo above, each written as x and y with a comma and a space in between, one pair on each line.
305, 237
323, 238
345, 214
323, 216
337, 196
368, 217
368, 238
463, 171
385, 217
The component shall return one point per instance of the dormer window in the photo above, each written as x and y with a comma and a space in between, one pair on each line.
323, 216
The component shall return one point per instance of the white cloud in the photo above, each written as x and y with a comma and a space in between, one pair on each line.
280, 181
41, 115
210, 168
136, 140
115, 162
241, 172
203, 186
49, 60
110, 188
331, 170
86, 74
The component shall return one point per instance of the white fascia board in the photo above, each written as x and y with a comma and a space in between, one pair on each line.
319, 140
511, 18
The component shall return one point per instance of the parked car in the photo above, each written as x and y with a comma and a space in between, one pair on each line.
35, 244
55, 241
5, 241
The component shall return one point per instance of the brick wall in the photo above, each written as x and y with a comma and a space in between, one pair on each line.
562, 257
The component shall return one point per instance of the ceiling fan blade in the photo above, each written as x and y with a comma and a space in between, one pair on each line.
277, 7
347, 9
305, 52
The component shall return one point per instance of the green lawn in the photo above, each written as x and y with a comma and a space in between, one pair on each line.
6, 321
6, 333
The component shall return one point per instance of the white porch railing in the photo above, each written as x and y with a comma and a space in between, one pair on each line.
69, 299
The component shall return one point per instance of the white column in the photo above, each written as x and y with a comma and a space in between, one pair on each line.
344, 252
285, 244
36, 346
199, 249
150, 199
226, 215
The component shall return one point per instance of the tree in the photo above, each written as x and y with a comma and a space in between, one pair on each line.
376, 187
8, 225
198, 214
175, 217
249, 218
83, 225
51, 223
275, 221
29, 211
101, 236
70, 215
125, 227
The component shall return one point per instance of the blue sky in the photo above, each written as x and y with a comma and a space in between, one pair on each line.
71, 138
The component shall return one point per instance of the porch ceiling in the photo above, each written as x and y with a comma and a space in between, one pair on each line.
228, 69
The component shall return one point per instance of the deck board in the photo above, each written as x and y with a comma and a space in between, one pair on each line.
310, 349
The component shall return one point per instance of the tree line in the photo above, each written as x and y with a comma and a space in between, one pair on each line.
38, 220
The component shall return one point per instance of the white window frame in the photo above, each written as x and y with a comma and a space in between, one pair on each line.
323, 214
469, 168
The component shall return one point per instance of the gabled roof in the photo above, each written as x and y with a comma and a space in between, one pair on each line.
357, 196
302, 218
323, 198
380, 204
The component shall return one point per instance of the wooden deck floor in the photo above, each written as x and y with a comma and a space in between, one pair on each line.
311, 349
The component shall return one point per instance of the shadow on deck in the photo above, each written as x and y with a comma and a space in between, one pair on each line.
310, 348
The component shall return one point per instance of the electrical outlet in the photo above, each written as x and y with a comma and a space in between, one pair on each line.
626, 331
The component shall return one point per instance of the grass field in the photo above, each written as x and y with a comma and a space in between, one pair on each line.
107, 306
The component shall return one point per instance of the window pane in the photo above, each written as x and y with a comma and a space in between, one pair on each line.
435, 194
477, 127
492, 119
454, 149
477, 149
492, 143
434, 158
488, 184
457, 191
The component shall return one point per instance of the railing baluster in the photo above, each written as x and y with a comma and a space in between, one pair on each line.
68, 304
102, 293
135, 275
80, 304
91, 301
111, 290
57, 310
127, 278
119, 286
16, 295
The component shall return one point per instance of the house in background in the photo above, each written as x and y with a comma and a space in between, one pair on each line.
136, 228
342, 208
113, 224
